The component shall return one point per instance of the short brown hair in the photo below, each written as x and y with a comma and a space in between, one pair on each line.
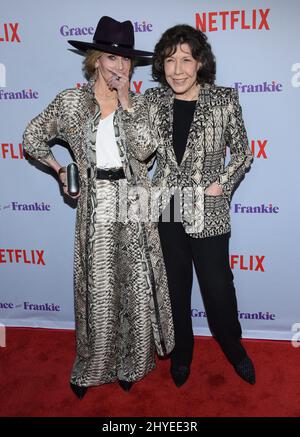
89, 63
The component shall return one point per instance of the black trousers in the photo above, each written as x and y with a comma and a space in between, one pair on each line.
210, 257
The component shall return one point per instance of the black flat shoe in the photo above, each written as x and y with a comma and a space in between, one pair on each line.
126, 385
79, 391
180, 374
245, 369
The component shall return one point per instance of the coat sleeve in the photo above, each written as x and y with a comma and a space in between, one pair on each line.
240, 154
43, 128
139, 128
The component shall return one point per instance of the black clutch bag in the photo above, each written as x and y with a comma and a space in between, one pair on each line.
73, 179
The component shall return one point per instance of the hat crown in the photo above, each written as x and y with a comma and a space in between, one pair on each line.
112, 36
110, 31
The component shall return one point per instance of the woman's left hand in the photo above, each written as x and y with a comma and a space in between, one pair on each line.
120, 82
214, 189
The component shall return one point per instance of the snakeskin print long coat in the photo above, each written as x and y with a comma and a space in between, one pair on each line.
73, 116
217, 123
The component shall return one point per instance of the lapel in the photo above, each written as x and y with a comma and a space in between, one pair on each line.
92, 121
202, 112
121, 142
165, 124
94, 112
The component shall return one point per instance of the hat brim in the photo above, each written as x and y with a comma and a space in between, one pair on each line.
123, 51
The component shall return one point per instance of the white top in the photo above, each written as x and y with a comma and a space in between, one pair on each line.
107, 151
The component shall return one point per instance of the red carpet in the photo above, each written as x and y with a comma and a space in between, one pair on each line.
35, 367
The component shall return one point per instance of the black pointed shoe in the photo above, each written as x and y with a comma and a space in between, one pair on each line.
245, 369
126, 385
79, 391
180, 374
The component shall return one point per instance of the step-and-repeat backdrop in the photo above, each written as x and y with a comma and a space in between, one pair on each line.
256, 44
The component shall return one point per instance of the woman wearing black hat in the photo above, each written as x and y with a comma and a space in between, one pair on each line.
122, 307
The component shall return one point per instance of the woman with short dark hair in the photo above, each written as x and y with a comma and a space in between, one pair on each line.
188, 122
200, 50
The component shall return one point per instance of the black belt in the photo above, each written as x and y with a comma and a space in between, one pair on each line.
111, 174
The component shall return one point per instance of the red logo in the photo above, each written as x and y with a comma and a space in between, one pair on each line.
9, 32
249, 262
232, 20
134, 86
258, 148
12, 151
22, 256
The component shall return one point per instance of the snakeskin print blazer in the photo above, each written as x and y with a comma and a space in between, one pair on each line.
217, 123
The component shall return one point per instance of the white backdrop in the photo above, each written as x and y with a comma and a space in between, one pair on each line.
256, 46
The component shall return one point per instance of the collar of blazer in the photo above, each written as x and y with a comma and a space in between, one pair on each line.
164, 121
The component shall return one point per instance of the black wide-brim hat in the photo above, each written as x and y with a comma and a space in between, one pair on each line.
112, 36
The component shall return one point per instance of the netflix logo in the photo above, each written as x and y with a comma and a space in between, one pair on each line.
22, 256
11, 151
9, 32
258, 148
134, 86
253, 263
79, 85
257, 19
